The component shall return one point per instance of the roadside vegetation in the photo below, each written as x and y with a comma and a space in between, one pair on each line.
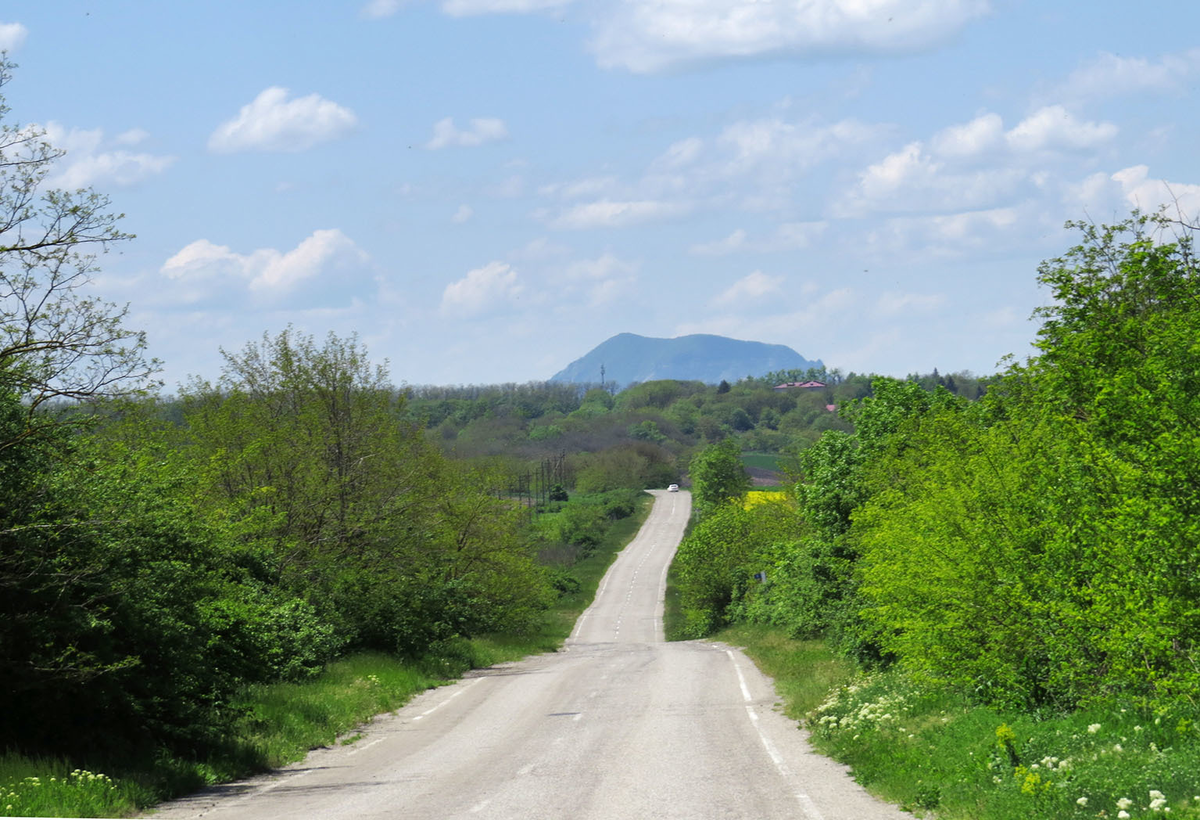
988, 586
1009, 583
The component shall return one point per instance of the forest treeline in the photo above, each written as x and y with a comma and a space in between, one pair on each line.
1035, 549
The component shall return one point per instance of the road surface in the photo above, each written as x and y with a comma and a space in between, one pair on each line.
619, 724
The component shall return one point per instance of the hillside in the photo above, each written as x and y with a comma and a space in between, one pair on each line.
628, 358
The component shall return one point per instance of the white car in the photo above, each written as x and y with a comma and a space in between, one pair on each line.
674, 488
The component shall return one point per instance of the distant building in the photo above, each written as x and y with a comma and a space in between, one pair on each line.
799, 385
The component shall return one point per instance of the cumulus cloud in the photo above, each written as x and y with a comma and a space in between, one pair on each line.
949, 236
1147, 194
481, 291
92, 160
1053, 127
266, 272
608, 213
272, 122
482, 130
913, 180
12, 35
463, 214
751, 287
777, 146
605, 279
1111, 75
972, 166
653, 35
980, 135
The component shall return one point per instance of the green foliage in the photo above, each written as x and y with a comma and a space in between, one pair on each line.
396, 547
1042, 552
717, 561
641, 465
718, 477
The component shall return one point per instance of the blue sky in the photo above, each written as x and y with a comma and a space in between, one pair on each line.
484, 190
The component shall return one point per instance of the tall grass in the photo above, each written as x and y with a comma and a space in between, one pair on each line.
48, 787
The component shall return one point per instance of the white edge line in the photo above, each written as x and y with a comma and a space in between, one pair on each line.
806, 804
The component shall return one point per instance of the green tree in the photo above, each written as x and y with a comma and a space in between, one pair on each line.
56, 341
718, 477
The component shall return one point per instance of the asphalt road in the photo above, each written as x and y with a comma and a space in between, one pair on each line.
619, 724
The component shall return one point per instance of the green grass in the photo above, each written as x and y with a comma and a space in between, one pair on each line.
285, 720
931, 750
47, 787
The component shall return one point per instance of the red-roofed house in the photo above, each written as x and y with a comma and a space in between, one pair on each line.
799, 385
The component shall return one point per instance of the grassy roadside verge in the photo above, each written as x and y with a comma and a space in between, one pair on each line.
934, 753
283, 721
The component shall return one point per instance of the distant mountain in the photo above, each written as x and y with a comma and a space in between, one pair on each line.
629, 358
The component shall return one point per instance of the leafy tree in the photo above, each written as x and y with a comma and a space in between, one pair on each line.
397, 547
718, 477
55, 340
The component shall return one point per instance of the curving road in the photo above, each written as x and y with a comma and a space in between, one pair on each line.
619, 724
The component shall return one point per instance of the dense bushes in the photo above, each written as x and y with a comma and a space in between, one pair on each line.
1035, 549
127, 622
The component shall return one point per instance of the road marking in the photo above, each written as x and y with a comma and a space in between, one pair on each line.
430, 711
806, 804
359, 748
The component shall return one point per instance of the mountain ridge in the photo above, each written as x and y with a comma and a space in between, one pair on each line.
628, 358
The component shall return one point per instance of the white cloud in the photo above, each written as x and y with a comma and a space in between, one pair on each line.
894, 303
752, 287
463, 214
682, 153
775, 146
950, 236
540, 249
1149, 195
462, 8
652, 35
797, 235
604, 267
980, 135
266, 271
580, 189
482, 130
481, 291
1054, 127
272, 122
1110, 75
614, 214
606, 278
90, 160
788, 236
377, 9
913, 180
730, 244
12, 35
